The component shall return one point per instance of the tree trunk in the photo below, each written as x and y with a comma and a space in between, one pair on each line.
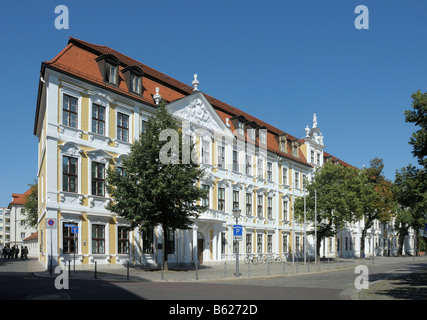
165, 248
362, 243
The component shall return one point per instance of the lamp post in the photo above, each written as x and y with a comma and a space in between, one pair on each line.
236, 215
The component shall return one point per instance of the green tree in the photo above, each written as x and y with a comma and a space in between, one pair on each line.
411, 200
335, 203
157, 187
375, 198
31, 206
418, 116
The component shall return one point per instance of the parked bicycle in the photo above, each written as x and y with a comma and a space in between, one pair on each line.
249, 259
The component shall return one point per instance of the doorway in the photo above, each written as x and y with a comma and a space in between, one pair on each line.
200, 247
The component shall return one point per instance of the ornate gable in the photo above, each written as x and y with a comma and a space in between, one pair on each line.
199, 112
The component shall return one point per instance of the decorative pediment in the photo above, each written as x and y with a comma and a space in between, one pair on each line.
99, 156
197, 110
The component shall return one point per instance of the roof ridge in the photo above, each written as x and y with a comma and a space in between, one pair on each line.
60, 54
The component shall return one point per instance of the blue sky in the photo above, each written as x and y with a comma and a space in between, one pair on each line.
279, 60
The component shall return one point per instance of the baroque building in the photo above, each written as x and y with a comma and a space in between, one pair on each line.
93, 102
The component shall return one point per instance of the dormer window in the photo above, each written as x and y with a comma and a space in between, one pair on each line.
135, 83
263, 136
111, 73
282, 146
240, 127
109, 67
133, 77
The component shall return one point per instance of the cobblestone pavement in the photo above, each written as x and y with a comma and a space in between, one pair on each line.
412, 286
399, 278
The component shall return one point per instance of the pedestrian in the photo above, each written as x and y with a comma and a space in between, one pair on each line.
8, 252
4, 252
16, 252
12, 253
22, 252
26, 252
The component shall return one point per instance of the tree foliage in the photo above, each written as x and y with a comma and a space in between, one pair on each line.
335, 203
418, 116
150, 192
31, 206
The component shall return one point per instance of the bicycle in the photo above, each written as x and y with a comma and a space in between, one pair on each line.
249, 259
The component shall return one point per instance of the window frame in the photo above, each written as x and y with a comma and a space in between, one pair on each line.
69, 175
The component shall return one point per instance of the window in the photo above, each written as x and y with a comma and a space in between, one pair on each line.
260, 168
269, 171
223, 242
206, 157
269, 243
248, 243
263, 136
297, 180
285, 210
251, 133
148, 241
270, 207
248, 165
259, 243
69, 111
68, 243
249, 204
98, 179
22, 235
304, 180
240, 126
98, 238
285, 243
205, 201
122, 127
282, 146
235, 161
111, 73
285, 175
122, 240
69, 174
235, 199
259, 212
170, 242
312, 156
98, 119
143, 126
297, 244
221, 199
318, 159
221, 156
135, 83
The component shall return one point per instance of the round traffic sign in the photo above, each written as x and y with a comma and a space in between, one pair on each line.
51, 222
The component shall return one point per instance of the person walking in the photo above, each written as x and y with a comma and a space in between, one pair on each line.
26, 252
12, 252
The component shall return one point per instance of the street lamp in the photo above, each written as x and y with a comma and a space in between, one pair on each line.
236, 215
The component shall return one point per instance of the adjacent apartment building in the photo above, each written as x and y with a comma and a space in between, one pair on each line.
93, 102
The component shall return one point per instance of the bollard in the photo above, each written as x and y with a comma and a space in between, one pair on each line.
69, 269
96, 270
309, 262
197, 272
249, 269
283, 266
225, 269
127, 276
268, 268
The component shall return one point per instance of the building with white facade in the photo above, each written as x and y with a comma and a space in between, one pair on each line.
18, 229
93, 102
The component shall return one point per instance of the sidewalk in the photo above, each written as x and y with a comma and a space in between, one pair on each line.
215, 271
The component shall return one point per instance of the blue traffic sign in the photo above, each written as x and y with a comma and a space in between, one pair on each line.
237, 230
74, 229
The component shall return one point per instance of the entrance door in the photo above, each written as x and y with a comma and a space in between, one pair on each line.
200, 247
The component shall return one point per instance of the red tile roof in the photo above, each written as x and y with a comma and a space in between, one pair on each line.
34, 236
78, 59
19, 199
